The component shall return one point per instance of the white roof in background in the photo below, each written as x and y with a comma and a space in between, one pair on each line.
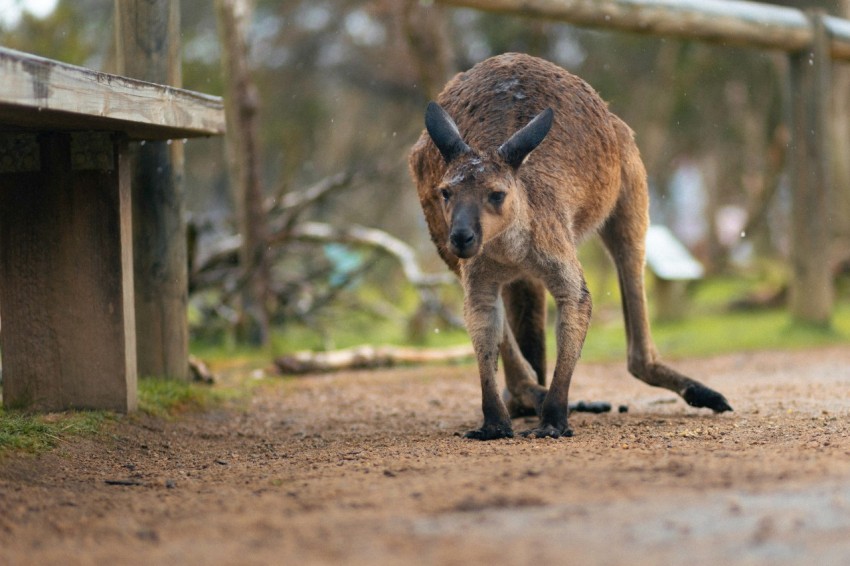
668, 258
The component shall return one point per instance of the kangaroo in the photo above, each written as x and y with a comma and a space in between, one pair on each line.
519, 163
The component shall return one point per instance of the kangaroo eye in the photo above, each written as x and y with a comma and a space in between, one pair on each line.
496, 197
447, 194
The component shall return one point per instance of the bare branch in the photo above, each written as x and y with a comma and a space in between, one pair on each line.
226, 249
296, 202
372, 237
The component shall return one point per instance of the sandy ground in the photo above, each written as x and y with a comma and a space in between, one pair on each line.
367, 468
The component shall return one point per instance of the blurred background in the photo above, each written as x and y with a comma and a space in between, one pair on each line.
339, 88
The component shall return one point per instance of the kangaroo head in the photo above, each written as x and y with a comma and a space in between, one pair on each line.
479, 190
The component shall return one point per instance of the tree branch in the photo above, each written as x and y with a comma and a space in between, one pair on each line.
374, 238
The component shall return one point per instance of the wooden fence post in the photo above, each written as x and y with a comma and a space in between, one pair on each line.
812, 293
148, 40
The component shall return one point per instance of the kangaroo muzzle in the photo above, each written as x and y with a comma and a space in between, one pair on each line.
465, 235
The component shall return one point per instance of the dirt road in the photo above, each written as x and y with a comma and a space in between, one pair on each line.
366, 468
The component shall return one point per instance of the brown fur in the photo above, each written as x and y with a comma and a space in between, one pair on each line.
585, 176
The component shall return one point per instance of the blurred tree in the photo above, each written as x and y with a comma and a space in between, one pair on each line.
241, 103
841, 149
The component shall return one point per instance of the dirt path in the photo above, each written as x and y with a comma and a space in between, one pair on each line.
365, 468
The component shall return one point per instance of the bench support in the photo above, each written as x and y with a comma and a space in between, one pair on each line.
66, 272
148, 47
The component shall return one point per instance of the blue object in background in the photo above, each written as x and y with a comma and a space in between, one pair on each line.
344, 262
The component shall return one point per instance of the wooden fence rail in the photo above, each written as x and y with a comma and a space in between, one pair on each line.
811, 40
725, 22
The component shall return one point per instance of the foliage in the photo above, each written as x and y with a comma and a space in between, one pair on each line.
72, 34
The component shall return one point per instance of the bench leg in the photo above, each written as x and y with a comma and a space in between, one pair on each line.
66, 276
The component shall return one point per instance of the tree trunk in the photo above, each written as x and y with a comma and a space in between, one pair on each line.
147, 36
431, 50
811, 212
241, 107
841, 151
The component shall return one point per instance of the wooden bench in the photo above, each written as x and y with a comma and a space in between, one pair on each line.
68, 334
672, 266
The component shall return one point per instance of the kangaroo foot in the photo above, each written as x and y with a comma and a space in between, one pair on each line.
547, 431
693, 392
527, 404
491, 432
698, 395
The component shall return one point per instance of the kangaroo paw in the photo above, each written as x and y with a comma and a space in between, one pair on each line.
526, 405
698, 395
547, 431
491, 432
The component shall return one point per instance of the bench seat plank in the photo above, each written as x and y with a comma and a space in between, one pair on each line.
42, 94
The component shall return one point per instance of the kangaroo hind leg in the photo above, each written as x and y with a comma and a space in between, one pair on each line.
624, 235
523, 348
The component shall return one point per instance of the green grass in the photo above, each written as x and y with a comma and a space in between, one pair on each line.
165, 398
706, 334
710, 328
35, 433
23, 432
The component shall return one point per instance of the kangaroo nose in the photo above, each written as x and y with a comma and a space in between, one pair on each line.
462, 238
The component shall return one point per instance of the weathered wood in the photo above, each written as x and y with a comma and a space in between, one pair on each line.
66, 254
812, 294
66, 287
727, 22
39, 93
148, 39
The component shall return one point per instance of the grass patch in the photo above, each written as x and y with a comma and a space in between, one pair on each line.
710, 328
33, 433
165, 398
719, 333
355, 330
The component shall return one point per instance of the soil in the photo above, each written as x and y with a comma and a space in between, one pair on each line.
368, 468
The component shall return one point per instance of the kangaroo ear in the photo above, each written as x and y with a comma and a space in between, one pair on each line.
444, 132
517, 148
